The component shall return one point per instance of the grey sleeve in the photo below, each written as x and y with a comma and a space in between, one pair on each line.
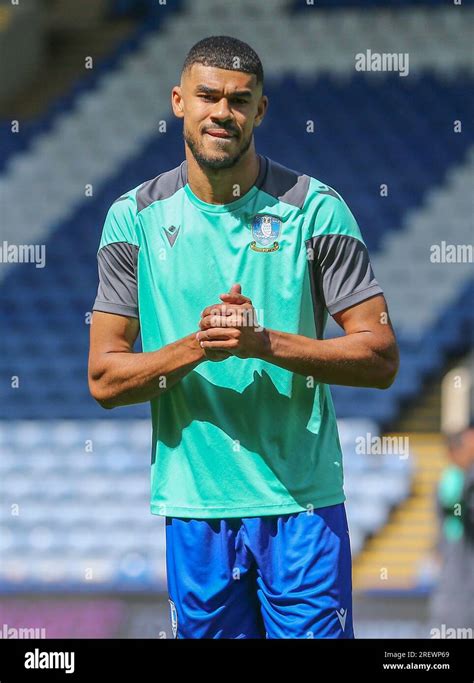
343, 271
117, 291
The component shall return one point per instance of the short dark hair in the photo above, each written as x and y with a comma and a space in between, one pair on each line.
225, 52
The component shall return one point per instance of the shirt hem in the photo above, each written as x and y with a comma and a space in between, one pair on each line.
117, 309
354, 298
165, 510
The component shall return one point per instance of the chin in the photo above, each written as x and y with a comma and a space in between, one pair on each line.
219, 160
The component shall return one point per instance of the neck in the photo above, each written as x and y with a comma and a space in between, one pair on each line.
225, 185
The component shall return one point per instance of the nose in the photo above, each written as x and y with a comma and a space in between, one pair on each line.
221, 110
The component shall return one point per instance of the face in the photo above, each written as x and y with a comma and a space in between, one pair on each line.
220, 109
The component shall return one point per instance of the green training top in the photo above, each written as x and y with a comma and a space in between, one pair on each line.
240, 437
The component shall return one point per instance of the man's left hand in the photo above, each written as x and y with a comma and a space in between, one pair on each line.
232, 326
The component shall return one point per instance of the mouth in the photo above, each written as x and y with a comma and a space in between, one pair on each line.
220, 133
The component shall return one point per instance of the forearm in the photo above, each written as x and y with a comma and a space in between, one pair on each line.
125, 378
352, 360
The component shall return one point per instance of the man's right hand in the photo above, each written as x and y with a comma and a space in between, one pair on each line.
215, 356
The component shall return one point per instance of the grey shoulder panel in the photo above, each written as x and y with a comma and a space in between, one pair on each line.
117, 291
162, 187
121, 199
282, 182
341, 271
277, 180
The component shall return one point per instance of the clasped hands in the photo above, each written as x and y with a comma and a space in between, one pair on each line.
231, 328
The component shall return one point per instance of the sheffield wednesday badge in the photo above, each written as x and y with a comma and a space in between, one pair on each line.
265, 231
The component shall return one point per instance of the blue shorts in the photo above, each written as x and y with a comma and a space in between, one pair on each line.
282, 576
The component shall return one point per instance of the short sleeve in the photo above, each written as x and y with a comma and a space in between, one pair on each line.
117, 262
119, 224
342, 270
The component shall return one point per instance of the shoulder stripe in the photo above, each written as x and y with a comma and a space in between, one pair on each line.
121, 199
285, 184
162, 187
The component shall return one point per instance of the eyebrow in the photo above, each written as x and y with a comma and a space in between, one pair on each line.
214, 91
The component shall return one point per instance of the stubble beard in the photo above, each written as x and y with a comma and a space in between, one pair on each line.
214, 163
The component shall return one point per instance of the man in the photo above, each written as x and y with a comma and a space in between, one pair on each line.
452, 598
247, 464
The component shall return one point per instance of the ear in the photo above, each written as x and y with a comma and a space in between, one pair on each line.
262, 108
177, 102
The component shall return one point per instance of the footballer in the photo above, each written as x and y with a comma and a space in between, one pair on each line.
228, 266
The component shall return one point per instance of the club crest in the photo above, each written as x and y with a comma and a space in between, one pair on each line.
265, 231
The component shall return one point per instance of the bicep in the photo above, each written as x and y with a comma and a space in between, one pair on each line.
115, 321
110, 333
348, 286
371, 316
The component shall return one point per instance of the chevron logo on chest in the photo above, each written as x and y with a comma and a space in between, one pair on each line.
172, 233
